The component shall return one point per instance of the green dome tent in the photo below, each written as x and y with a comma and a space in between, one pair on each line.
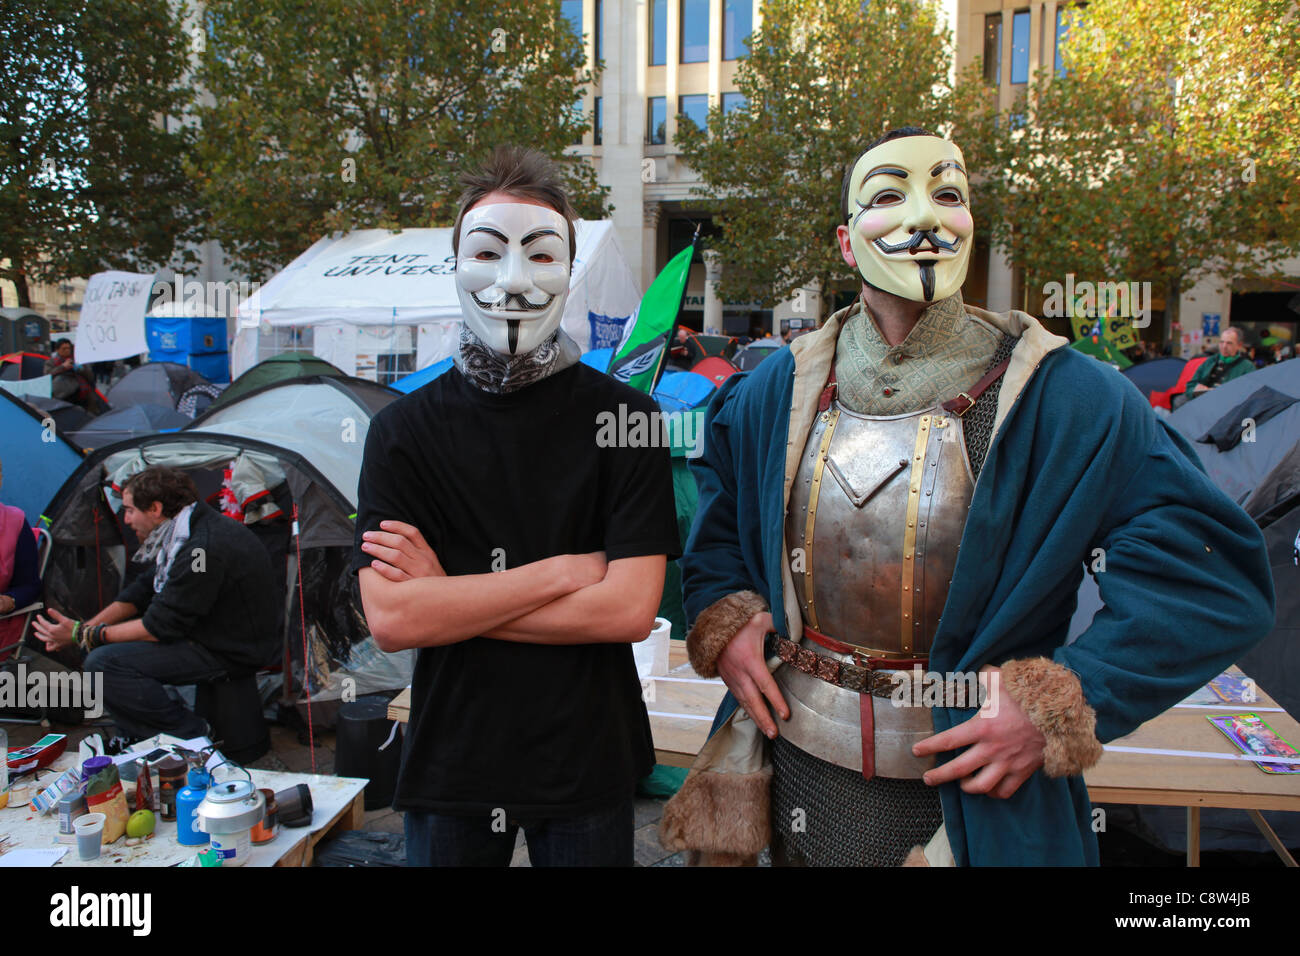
277, 368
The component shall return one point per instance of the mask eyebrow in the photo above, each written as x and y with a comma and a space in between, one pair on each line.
538, 234
886, 171
491, 232
947, 164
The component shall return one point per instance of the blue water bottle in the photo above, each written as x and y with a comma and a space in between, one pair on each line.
187, 804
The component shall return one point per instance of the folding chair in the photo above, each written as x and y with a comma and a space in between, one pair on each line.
44, 544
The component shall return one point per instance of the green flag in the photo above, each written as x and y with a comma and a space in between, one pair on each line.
640, 358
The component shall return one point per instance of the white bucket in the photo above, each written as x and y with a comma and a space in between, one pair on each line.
652, 653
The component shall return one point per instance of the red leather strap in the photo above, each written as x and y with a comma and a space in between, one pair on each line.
828, 393
961, 404
868, 718
871, 663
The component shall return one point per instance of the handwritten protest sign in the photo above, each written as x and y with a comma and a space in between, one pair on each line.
112, 317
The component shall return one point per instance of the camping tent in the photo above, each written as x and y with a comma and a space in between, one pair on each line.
127, 422
67, 417
1156, 374
747, 358
277, 368
375, 294
154, 383
34, 468
292, 445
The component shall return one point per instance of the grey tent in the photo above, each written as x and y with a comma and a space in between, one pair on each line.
127, 422
154, 383
292, 447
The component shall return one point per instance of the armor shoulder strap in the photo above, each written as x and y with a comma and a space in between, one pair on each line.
962, 403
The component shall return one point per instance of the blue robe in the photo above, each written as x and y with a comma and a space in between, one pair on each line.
1080, 463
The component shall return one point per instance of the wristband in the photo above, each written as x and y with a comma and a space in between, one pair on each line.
76, 633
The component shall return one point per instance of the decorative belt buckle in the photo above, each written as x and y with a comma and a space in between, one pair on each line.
970, 402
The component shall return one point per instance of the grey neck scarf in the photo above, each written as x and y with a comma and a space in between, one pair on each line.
496, 373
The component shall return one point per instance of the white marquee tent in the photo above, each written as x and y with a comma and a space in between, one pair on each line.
382, 304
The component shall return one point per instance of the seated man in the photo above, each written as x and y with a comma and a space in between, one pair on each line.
203, 608
1230, 362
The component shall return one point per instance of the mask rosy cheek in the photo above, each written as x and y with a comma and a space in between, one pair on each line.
960, 222
875, 224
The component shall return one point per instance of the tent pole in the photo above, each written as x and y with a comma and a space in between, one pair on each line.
286, 674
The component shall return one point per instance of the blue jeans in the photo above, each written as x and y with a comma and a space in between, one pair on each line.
134, 677
603, 838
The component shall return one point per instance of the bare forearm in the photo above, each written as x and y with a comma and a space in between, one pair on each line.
432, 611
115, 613
619, 609
127, 631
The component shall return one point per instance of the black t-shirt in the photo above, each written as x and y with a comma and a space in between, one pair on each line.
535, 729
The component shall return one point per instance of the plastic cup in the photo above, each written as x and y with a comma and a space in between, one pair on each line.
90, 835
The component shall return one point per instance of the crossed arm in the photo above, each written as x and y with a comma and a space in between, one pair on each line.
566, 599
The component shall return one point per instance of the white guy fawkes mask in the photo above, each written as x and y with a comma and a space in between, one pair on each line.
910, 226
512, 274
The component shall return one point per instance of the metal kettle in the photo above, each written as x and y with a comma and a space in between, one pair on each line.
230, 806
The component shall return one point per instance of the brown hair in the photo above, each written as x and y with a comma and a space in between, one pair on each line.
173, 487
520, 172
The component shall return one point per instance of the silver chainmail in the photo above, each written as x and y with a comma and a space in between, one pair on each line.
977, 423
825, 815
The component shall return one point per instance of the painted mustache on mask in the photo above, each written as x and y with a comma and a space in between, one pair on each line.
913, 244
502, 304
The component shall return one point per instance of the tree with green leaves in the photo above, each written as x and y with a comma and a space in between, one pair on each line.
1170, 150
334, 115
91, 141
823, 79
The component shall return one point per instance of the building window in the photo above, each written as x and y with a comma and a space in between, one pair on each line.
597, 123
695, 31
571, 10
993, 49
658, 32
733, 101
1064, 15
600, 28
579, 117
737, 25
1020, 47
658, 116
695, 107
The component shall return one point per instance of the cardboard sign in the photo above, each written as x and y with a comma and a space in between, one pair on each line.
112, 317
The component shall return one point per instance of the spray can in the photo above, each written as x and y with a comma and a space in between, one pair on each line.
187, 804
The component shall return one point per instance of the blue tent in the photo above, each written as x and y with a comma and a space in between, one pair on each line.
34, 467
678, 391
423, 377
598, 359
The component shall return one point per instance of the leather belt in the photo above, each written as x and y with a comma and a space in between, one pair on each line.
856, 677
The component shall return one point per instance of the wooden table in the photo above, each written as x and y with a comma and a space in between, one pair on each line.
1196, 782
681, 707
338, 804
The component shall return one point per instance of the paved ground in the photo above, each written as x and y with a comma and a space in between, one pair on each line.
287, 754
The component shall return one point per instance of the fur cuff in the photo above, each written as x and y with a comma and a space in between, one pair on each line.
1052, 698
916, 857
716, 626
724, 816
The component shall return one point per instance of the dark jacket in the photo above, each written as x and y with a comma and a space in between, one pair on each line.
220, 593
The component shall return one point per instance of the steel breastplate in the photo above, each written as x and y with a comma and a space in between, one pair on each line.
874, 522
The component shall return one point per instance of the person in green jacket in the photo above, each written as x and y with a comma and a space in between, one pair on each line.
1231, 362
